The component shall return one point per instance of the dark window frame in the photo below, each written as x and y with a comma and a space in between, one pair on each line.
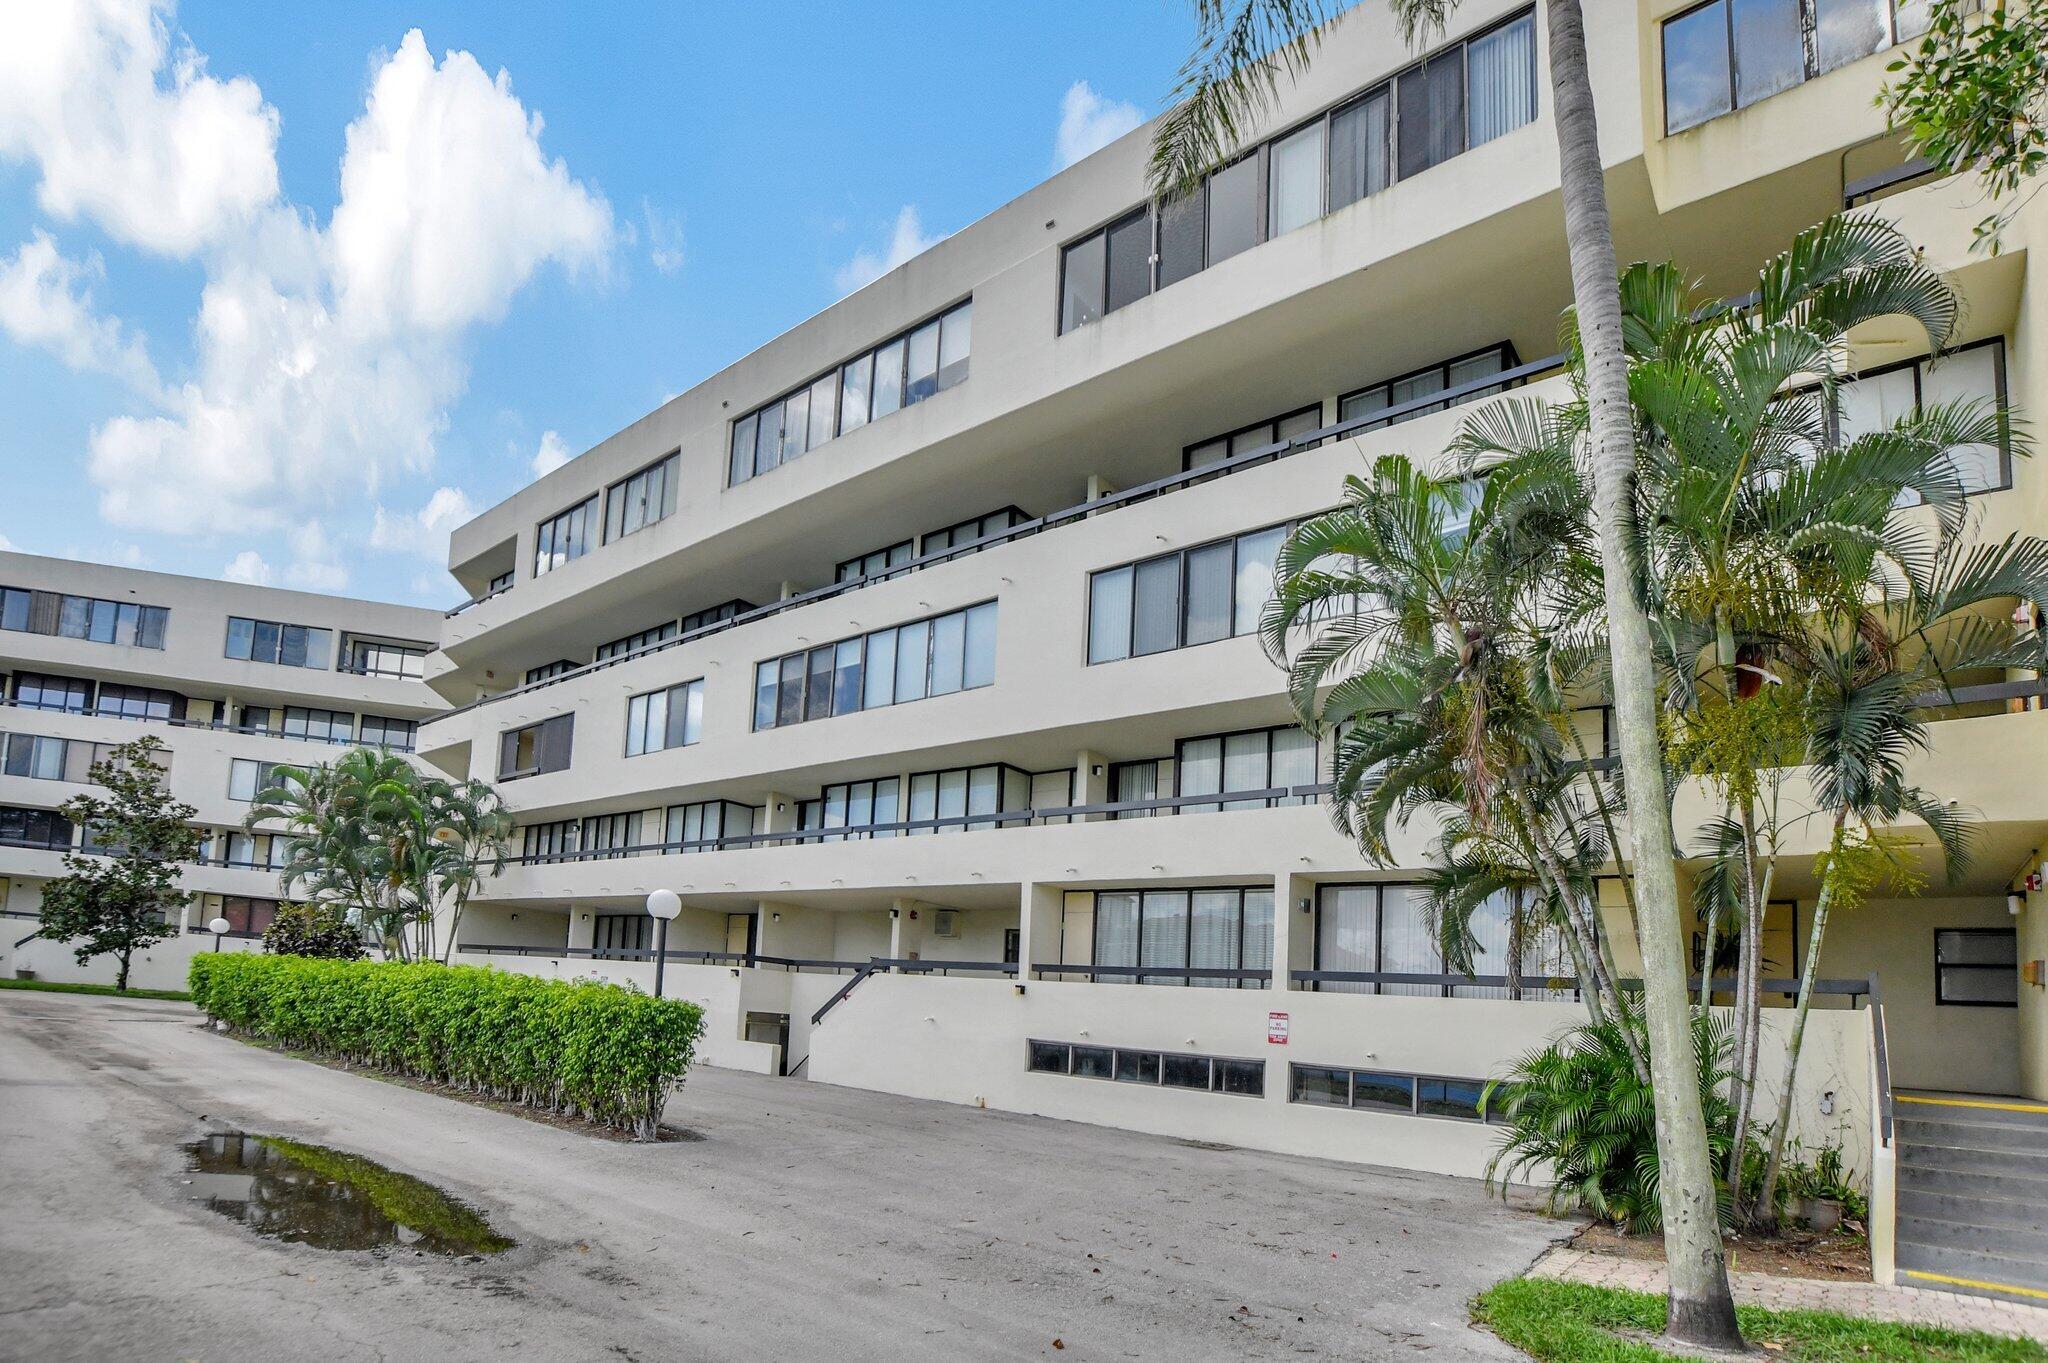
1810, 66
1180, 612
1416, 1079
672, 464
1942, 968
1509, 357
802, 712
1215, 1063
508, 740
1188, 933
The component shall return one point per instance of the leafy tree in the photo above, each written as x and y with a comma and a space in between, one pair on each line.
317, 930
128, 899
1974, 96
1243, 49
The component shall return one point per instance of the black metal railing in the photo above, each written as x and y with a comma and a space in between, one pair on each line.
1231, 977
212, 725
742, 959
1485, 386
1880, 1050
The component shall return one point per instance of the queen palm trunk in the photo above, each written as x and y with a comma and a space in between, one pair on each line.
1701, 1310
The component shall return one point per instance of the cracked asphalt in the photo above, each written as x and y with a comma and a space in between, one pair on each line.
803, 1220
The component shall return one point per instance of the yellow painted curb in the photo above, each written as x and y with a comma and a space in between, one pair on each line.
1976, 1102
1972, 1282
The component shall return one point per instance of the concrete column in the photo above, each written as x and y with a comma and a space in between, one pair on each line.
909, 927
1098, 487
582, 928
778, 813
1040, 910
1091, 788
1293, 930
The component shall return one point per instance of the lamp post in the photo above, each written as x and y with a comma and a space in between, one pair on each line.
662, 905
217, 927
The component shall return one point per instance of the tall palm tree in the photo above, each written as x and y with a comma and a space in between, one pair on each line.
1243, 50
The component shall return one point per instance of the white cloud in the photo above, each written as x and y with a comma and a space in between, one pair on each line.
247, 566
1088, 123
7, 546
664, 238
46, 300
907, 239
326, 358
314, 566
128, 131
120, 555
551, 455
425, 532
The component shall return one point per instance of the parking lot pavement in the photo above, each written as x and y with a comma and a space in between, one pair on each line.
799, 1220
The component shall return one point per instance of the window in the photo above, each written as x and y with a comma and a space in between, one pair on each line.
876, 561
705, 824
549, 671
609, 836
922, 362
972, 529
1384, 929
37, 691
960, 791
1204, 1073
42, 828
565, 536
670, 718
247, 917
382, 731
1728, 54
43, 758
536, 748
138, 702
1463, 96
1256, 759
372, 659
633, 643
1191, 596
247, 779
1974, 373
90, 618
639, 501
933, 657
1977, 967
498, 583
852, 805
268, 641
622, 936
1413, 1095
712, 615
549, 841
1226, 929
326, 726
1419, 384
1244, 439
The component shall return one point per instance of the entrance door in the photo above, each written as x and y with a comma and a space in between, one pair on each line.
739, 933
772, 1028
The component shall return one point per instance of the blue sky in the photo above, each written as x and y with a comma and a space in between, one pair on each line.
284, 292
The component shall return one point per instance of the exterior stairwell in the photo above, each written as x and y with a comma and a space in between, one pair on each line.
1973, 1196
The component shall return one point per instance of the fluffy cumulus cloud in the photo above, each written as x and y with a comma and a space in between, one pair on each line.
128, 129
906, 239
325, 357
664, 238
247, 566
1088, 123
424, 532
46, 301
551, 455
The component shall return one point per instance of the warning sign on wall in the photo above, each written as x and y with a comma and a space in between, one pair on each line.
1276, 1029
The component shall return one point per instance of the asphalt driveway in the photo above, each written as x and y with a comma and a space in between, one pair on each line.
805, 1221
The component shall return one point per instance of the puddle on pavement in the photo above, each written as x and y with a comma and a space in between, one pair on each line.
329, 1199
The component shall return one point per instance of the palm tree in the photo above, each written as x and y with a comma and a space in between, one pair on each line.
1243, 49
1869, 676
473, 830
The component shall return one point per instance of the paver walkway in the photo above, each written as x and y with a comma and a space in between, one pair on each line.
1869, 1301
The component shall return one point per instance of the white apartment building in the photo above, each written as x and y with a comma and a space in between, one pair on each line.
232, 679
913, 651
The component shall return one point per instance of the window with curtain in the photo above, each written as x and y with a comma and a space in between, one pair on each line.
1257, 759
1191, 596
1294, 188
1727, 54
672, 717
1361, 149
931, 657
1501, 76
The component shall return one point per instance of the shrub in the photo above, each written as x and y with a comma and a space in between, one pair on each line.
314, 930
595, 1051
1577, 1114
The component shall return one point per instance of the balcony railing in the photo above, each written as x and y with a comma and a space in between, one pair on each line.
215, 725
1484, 386
1015, 818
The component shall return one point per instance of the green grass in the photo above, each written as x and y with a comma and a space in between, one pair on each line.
1579, 1323
53, 987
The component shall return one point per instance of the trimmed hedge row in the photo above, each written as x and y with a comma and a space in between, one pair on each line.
595, 1051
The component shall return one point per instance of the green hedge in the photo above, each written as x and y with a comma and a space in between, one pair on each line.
596, 1051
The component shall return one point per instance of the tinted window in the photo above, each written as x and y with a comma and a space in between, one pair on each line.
1769, 53
1432, 99
1696, 74
1234, 209
1181, 249
1081, 283
1130, 260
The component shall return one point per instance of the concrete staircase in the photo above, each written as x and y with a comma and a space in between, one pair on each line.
1973, 1196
